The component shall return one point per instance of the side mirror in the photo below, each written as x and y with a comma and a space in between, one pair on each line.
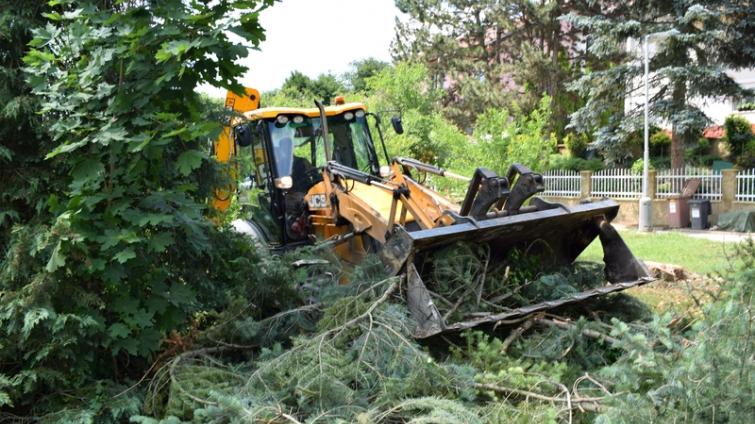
397, 125
243, 135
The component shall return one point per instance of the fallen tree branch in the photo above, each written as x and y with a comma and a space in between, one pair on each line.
569, 326
585, 403
517, 333
367, 313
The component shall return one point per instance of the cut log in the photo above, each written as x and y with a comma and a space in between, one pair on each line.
666, 272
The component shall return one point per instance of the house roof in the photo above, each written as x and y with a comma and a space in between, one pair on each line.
716, 132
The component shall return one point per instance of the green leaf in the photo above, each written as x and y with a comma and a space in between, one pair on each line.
32, 318
66, 148
125, 255
118, 331
180, 294
189, 161
159, 242
5, 399
172, 49
86, 171
154, 219
8, 215
142, 318
57, 259
53, 16
110, 134
6, 153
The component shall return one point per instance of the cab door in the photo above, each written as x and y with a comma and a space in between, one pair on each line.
266, 211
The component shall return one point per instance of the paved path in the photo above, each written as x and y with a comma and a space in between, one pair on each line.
720, 236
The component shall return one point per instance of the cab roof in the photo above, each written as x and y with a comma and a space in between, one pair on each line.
312, 112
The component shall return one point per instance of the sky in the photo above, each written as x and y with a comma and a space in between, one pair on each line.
350, 30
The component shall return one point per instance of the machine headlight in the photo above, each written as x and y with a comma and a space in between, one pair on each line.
385, 171
284, 183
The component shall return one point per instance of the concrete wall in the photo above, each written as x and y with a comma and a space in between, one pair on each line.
629, 208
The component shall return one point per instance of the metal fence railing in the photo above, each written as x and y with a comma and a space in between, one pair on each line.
620, 183
562, 183
745, 186
670, 182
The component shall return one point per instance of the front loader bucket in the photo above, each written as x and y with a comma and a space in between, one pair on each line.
557, 234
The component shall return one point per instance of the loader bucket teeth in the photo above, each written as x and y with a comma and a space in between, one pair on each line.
421, 306
621, 265
396, 250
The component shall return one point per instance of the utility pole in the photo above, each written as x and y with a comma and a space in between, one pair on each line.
646, 204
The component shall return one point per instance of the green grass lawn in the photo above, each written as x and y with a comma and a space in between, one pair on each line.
693, 254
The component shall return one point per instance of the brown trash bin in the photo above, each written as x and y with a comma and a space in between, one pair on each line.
678, 212
678, 209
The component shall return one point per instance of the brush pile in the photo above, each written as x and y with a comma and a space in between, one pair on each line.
464, 284
348, 356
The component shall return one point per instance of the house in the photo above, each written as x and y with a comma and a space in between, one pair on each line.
718, 109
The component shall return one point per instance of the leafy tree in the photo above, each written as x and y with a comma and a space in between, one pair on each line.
506, 138
702, 40
301, 90
738, 134
120, 252
405, 86
490, 53
362, 70
406, 90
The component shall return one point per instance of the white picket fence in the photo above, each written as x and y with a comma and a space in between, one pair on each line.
745, 186
619, 183
670, 182
622, 183
562, 183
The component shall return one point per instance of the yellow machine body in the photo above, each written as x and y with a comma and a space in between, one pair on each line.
225, 148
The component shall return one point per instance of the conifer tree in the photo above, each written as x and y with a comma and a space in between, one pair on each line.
22, 137
491, 53
694, 44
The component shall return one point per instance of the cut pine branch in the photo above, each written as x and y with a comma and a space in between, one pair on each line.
583, 403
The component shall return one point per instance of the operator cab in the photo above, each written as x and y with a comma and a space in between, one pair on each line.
288, 152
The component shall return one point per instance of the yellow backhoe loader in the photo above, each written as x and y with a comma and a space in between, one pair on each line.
322, 180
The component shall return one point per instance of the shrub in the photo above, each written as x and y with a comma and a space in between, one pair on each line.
738, 134
576, 144
699, 153
505, 138
557, 161
660, 138
747, 158
706, 376
638, 165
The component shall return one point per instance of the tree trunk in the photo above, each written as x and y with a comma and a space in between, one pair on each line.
677, 137
677, 149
